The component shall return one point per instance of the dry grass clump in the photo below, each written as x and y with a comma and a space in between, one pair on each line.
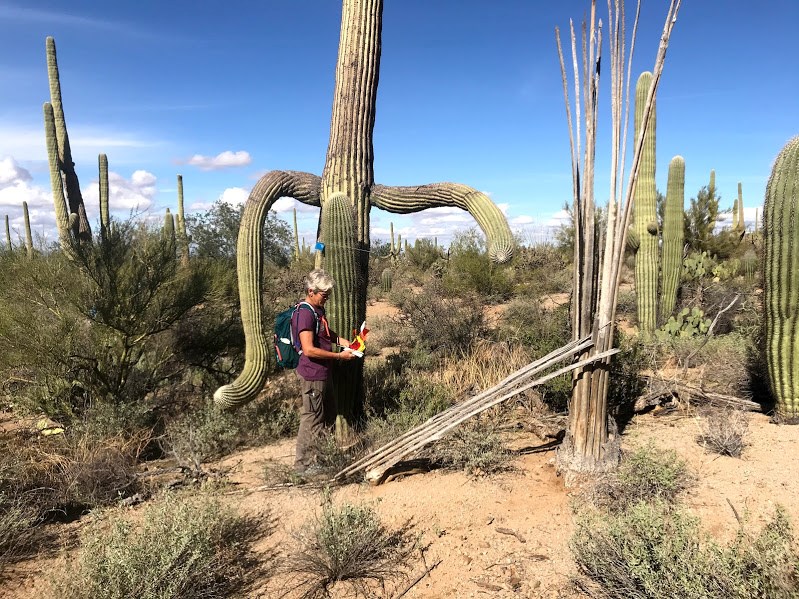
724, 432
476, 447
181, 548
485, 364
347, 547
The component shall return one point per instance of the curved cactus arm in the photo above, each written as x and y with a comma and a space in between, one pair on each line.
62, 215
404, 200
81, 228
303, 187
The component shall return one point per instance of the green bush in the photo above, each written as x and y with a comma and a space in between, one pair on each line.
349, 547
470, 271
647, 474
654, 551
476, 447
181, 548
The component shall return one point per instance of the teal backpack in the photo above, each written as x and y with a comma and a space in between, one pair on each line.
287, 345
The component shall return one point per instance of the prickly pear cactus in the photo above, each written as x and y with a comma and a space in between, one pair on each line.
781, 281
645, 216
673, 237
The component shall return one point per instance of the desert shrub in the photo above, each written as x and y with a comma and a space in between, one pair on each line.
104, 323
470, 271
423, 254
724, 432
18, 537
348, 546
647, 474
182, 547
541, 269
540, 331
441, 324
205, 433
476, 447
654, 551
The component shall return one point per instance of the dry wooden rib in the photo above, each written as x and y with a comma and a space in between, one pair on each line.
378, 462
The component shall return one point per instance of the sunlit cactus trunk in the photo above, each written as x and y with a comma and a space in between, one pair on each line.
781, 281
296, 238
386, 279
9, 247
79, 225
645, 218
181, 235
105, 215
28, 234
673, 237
168, 233
338, 234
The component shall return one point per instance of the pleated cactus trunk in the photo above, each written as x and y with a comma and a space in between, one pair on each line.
338, 234
28, 234
168, 233
673, 237
645, 217
9, 247
181, 235
781, 281
79, 224
386, 280
105, 214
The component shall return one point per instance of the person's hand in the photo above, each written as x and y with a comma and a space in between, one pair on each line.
346, 355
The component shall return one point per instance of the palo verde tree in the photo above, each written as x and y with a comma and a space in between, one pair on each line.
589, 444
348, 170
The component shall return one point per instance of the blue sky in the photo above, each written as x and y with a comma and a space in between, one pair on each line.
470, 91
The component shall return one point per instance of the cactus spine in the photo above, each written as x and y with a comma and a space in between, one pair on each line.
386, 280
105, 216
781, 280
645, 216
181, 236
338, 230
28, 235
8, 235
673, 237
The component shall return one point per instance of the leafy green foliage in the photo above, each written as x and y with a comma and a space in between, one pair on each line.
423, 254
686, 323
214, 234
471, 271
700, 218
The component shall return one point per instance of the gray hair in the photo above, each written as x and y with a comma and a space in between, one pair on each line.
318, 280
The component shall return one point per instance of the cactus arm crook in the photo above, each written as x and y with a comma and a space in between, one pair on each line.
303, 187
404, 200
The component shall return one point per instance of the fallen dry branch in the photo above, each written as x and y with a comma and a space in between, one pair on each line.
380, 461
670, 390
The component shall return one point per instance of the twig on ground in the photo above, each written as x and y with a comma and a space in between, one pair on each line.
416, 580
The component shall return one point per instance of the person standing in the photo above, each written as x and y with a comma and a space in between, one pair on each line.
316, 341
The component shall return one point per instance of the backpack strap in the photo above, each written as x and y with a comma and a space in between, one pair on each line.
295, 341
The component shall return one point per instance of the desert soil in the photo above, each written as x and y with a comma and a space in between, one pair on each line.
464, 521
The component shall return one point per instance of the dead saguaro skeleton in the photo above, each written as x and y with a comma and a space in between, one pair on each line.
377, 463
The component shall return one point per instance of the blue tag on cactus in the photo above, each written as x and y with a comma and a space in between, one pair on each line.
319, 247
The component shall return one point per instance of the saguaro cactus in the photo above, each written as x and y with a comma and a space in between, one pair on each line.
28, 234
386, 279
349, 169
739, 224
105, 215
79, 225
645, 216
168, 232
296, 238
181, 236
9, 247
338, 234
781, 280
673, 237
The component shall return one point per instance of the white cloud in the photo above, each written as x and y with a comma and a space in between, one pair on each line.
226, 159
235, 196
16, 187
124, 195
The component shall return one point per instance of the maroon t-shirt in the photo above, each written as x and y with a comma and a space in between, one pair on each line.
313, 369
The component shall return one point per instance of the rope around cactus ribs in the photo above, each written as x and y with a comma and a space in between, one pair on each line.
377, 463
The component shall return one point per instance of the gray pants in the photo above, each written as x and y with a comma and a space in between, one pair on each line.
313, 397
